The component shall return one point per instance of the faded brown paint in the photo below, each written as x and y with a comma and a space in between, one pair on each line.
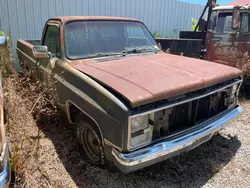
146, 79
29, 45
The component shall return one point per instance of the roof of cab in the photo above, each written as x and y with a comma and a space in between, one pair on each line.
73, 18
229, 7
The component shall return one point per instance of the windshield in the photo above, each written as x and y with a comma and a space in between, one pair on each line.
221, 22
86, 39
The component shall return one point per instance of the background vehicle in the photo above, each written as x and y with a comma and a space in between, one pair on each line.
223, 39
132, 104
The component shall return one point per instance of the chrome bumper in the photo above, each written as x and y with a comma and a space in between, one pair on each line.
5, 174
161, 151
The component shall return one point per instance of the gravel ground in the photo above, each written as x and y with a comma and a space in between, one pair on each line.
44, 148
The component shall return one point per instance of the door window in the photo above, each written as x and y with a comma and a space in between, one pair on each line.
51, 40
245, 22
221, 23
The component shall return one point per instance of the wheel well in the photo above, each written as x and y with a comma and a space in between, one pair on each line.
74, 111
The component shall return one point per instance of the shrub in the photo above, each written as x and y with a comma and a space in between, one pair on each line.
6, 57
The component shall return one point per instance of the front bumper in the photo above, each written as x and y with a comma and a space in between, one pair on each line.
166, 149
5, 174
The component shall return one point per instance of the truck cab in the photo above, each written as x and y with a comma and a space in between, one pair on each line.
228, 39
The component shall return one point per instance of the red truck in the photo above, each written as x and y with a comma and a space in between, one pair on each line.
224, 39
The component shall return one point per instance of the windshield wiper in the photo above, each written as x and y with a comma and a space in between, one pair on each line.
106, 54
124, 53
139, 50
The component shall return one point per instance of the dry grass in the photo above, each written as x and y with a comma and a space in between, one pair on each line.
6, 59
24, 101
44, 149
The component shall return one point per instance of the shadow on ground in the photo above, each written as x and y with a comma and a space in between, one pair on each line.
192, 169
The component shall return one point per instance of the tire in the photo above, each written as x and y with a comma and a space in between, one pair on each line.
89, 141
246, 91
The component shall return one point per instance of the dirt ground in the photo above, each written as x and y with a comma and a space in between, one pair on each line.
45, 154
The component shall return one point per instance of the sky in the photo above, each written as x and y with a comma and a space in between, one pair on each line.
203, 2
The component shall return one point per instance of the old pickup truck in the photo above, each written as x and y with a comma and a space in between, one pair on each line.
132, 105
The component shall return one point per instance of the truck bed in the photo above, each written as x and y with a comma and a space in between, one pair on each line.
24, 53
189, 47
24, 49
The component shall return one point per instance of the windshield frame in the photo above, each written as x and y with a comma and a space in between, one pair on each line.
104, 20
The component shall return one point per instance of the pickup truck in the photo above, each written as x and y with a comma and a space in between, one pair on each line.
132, 105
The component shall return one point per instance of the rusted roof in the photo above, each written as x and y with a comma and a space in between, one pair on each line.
240, 2
72, 18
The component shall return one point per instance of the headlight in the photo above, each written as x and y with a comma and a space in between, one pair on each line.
142, 139
139, 123
141, 132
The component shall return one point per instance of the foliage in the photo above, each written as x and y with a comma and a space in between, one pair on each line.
6, 57
28, 105
3, 34
194, 24
156, 35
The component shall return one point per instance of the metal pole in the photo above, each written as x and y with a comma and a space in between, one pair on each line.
209, 3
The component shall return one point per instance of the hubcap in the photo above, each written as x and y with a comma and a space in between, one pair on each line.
91, 144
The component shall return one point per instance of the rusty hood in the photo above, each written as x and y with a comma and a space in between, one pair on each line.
148, 78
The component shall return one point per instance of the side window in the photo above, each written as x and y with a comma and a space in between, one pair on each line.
228, 24
224, 23
245, 22
212, 21
51, 39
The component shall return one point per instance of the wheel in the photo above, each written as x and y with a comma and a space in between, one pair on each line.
91, 144
90, 141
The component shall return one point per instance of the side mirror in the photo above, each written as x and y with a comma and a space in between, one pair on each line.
40, 52
159, 46
3, 41
236, 18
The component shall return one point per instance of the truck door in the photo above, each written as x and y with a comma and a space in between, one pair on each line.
225, 45
51, 39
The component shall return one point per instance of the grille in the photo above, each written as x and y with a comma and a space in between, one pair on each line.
184, 116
